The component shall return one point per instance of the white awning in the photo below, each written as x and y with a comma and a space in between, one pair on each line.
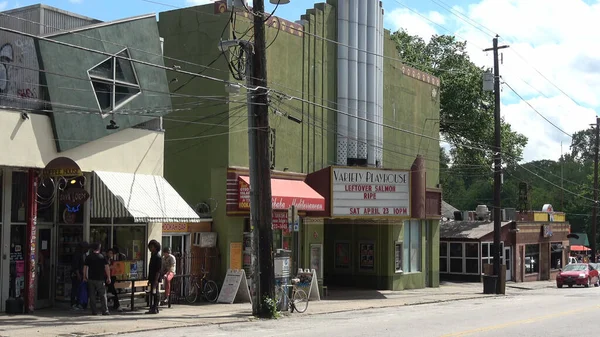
145, 198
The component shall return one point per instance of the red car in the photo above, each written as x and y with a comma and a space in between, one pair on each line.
581, 274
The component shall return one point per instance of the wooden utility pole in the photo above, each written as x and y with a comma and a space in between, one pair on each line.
260, 166
595, 206
497, 164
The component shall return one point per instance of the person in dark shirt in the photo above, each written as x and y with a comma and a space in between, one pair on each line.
154, 275
97, 274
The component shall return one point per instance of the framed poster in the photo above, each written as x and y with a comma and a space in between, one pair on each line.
342, 255
235, 255
398, 257
316, 258
366, 251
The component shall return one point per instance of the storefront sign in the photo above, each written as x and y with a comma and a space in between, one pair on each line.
280, 202
280, 220
370, 192
178, 227
74, 196
62, 167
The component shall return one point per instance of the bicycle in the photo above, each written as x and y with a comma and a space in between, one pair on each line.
299, 299
204, 287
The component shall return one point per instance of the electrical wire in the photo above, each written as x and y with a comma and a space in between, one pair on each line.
536, 111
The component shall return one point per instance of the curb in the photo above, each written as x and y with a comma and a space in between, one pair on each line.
251, 319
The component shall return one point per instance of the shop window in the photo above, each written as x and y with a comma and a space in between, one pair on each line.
471, 257
18, 236
487, 253
101, 235
443, 257
69, 240
131, 243
556, 253
532, 259
398, 257
115, 82
456, 266
19, 197
412, 246
45, 201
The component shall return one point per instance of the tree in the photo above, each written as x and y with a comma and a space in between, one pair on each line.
466, 116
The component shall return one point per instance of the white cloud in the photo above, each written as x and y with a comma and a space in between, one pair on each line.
558, 38
199, 2
414, 24
3, 5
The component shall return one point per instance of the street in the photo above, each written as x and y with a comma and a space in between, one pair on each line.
546, 312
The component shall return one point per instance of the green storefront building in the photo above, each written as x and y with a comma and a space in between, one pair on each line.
358, 157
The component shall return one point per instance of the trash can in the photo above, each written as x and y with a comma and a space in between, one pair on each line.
489, 284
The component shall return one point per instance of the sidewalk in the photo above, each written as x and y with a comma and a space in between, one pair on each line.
70, 323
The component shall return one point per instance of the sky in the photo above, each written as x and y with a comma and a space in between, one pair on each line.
553, 62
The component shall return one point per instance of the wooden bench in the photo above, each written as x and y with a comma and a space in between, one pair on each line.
137, 289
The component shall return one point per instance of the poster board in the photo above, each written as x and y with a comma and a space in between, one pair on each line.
235, 255
309, 283
235, 288
316, 258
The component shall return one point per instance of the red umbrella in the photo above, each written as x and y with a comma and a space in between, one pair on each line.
579, 248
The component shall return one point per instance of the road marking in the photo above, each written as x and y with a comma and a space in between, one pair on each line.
520, 322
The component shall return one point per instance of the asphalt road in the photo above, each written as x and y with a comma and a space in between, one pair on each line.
547, 313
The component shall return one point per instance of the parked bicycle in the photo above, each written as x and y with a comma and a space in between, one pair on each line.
202, 286
299, 299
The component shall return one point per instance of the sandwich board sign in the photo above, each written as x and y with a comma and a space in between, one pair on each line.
235, 288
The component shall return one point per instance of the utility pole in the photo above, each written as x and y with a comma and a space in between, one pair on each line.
497, 163
261, 216
595, 206
562, 189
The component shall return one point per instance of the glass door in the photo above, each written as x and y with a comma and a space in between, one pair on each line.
44, 267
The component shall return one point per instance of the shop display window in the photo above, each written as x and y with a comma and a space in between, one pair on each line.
412, 246
18, 237
532, 259
443, 257
102, 235
19, 198
131, 243
69, 240
45, 198
556, 254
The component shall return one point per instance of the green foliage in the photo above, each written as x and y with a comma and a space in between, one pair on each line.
466, 116
270, 308
467, 122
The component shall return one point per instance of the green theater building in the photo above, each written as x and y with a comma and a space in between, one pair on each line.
358, 158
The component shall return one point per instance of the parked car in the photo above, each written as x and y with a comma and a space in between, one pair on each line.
582, 274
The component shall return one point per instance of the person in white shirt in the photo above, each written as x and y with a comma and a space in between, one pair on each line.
169, 267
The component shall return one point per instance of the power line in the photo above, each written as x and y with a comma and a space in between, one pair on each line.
536, 111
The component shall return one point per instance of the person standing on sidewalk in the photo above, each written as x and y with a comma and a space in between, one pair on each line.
168, 270
154, 274
97, 274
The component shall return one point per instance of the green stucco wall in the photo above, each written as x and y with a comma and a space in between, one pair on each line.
303, 67
409, 106
77, 120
